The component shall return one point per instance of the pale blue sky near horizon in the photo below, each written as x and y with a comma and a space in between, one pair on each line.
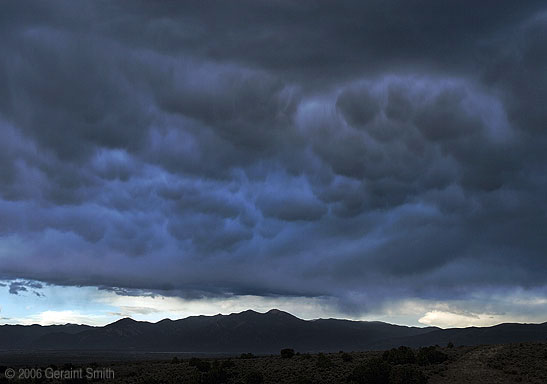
52, 304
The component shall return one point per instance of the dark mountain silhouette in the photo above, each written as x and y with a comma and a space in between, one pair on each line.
498, 334
21, 336
255, 332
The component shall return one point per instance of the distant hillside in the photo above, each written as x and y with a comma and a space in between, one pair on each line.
255, 332
22, 336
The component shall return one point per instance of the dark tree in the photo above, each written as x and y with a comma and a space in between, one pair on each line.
287, 353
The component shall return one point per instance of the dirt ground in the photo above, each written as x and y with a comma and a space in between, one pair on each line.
497, 364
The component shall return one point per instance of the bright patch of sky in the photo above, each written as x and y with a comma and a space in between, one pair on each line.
52, 304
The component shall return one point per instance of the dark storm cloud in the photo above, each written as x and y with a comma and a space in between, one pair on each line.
359, 150
24, 286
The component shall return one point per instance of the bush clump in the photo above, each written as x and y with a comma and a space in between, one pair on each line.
216, 375
303, 380
254, 377
374, 371
401, 355
346, 357
246, 356
201, 365
287, 353
430, 355
227, 364
406, 374
323, 361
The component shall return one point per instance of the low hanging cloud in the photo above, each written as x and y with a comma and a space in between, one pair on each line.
359, 152
17, 286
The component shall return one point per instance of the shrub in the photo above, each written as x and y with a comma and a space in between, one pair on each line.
450, 345
227, 364
401, 355
303, 380
323, 361
287, 353
406, 374
346, 357
193, 361
254, 377
430, 355
175, 360
246, 356
374, 371
217, 375
202, 366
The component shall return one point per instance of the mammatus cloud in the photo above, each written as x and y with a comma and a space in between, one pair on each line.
381, 152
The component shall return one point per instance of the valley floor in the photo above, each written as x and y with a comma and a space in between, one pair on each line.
510, 363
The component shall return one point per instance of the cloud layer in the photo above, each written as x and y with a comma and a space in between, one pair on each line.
361, 152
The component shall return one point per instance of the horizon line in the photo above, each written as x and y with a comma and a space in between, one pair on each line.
264, 313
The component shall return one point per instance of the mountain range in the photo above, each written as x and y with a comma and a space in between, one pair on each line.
250, 331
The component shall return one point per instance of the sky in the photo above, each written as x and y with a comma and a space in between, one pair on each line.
368, 160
